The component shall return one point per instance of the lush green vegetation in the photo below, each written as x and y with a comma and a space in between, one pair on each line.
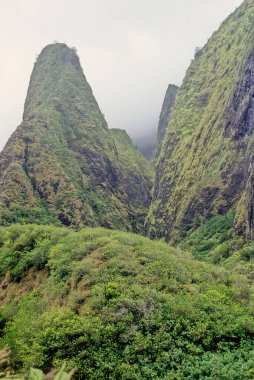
202, 166
117, 305
215, 235
165, 114
137, 175
23, 215
7, 373
215, 241
62, 164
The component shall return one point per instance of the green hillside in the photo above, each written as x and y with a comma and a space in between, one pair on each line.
119, 306
83, 291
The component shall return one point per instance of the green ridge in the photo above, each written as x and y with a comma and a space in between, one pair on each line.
205, 168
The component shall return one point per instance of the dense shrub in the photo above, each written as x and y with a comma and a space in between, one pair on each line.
214, 239
117, 305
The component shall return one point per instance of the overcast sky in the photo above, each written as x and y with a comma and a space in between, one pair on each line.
129, 50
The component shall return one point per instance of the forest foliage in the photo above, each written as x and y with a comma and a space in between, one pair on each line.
117, 305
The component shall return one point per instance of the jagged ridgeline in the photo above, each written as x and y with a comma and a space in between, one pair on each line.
61, 165
206, 163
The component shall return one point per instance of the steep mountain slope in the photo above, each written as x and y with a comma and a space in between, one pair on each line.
165, 114
205, 167
119, 306
61, 164
136, 177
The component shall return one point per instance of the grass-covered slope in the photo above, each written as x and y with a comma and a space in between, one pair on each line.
61, 165
136, 177
205, 166
119, 306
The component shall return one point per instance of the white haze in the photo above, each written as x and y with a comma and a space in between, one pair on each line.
129, 49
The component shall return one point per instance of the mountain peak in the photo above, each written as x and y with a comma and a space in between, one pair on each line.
59, 52
61, 164
56, 78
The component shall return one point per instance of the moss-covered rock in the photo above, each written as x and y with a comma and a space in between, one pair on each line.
62, 160
205, 167
136, 177
165, 114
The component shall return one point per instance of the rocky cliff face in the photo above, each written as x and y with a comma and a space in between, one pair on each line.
61, 164
206, 164
165, 114
136, 177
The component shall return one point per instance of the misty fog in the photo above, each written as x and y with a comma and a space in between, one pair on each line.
130, 50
